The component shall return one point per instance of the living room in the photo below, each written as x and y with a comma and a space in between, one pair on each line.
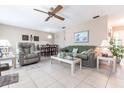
69, 51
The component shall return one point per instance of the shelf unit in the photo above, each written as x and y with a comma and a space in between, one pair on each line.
48, 49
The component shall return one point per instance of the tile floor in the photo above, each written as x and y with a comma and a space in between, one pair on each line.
58, 75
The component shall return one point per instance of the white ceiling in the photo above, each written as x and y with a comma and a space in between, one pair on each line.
25, 16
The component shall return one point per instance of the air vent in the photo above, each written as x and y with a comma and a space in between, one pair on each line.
96, 17
63, 27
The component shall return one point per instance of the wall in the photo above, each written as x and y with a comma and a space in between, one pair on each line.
59, 38
98, 29
117, 28
14, 35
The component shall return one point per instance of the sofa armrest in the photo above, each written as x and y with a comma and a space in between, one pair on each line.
91, 55
92, 59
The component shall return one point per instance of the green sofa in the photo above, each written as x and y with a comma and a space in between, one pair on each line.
89, 59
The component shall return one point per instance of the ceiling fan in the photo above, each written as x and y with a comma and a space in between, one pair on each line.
52, 13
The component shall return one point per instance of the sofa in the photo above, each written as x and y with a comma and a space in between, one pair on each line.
27, 54
88, 59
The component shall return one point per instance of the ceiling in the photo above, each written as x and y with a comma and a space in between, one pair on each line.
26, 17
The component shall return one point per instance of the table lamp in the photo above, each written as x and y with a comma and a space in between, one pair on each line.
105, 48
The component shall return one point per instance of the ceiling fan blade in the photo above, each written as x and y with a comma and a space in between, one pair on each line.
47, 18
57, 9
59, 17
41, 11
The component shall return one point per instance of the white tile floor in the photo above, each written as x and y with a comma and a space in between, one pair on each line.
58, 75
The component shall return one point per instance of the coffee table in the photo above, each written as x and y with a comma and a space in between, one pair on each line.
69, 61
9, 57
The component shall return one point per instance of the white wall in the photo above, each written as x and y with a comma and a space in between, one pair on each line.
14, 35
98, 29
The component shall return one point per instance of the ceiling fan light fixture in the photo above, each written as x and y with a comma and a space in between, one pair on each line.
52, 13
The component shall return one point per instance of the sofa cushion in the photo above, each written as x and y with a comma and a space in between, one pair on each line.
26, 51
29, 61
28, 56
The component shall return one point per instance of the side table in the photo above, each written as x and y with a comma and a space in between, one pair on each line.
12, 57
109, 59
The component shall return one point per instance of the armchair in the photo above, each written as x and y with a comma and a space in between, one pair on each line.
27, 54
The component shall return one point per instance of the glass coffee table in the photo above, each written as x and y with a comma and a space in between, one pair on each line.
72, 62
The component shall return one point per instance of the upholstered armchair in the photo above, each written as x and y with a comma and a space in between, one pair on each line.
27, 54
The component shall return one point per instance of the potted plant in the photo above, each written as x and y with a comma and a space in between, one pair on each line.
116, 50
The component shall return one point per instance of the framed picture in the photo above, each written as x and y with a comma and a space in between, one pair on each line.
81, 37
25, 37
36, 38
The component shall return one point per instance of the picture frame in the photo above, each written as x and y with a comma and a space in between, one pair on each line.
81, 37
36, 38
25, 37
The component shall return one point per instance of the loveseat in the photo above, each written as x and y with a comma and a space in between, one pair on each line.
88, 59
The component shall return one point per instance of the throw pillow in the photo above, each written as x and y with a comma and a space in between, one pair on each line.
84, 52
75, 50
61, 54
27, 51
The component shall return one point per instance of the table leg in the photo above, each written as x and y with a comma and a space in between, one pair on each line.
80, 64
114, 66
51, 60
14, 62
72, 68
97, 64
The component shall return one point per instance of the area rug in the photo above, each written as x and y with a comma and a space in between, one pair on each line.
9, 79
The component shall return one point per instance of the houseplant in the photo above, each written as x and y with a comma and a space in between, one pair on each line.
116, 50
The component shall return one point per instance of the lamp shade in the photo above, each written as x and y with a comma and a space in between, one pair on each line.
5, 43
105, 43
